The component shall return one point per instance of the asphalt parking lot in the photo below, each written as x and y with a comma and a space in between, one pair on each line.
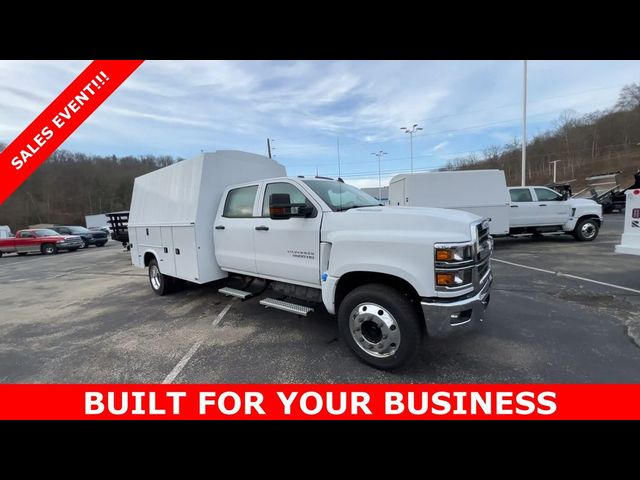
90, 317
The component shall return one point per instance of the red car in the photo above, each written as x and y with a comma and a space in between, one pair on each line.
40, 240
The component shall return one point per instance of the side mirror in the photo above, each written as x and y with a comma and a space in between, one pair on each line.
281, 208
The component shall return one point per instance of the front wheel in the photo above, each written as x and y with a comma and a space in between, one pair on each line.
161, 284
380, 325
49, 249
85, 243
586, 230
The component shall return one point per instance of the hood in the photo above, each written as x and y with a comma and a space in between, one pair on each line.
582, 202
446, 224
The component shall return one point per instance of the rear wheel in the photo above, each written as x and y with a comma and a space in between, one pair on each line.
380, 325
586, 230
161, 284
49, 249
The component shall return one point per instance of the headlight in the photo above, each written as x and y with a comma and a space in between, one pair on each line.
453, 278
61, 241
454, 253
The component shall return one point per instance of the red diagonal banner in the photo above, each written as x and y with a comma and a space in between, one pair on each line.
59, 120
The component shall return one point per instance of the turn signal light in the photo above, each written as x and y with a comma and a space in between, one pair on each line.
445, 279
444, 254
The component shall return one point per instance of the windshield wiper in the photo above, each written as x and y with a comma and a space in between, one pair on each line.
344, 209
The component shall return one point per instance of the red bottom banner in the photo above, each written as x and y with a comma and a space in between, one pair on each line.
320, 402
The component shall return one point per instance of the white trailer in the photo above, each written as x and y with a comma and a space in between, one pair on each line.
481, 192
630, 243
173, 210
99, 220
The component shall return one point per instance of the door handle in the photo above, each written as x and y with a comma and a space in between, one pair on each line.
514, 206
262, 227
219, 227
543, 204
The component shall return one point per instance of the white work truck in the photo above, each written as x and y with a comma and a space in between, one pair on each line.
390, 274
540, 210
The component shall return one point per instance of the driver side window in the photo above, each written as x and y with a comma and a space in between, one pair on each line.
26, 235
294, 193
545, 195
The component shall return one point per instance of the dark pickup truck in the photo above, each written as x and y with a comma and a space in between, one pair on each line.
89, 237
40, 240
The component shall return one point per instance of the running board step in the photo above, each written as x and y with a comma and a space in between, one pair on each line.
286, 306
234, 292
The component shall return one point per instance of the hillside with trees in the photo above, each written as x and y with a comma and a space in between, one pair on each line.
599, 142
70, 185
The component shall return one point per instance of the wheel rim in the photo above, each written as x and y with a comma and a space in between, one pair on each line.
154, 275
588, 230
374, 330
48, 249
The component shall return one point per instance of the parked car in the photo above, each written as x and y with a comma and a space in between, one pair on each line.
104, 229
41, 240
97, 238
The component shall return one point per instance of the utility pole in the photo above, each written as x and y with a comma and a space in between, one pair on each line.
555, 164
269, 146
411, 131
379, 155
524, 127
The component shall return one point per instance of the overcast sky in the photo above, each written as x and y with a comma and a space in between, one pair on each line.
182, 107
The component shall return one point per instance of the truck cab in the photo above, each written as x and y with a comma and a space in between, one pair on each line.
537, 209
389, 273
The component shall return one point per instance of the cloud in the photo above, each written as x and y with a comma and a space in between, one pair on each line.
181, 107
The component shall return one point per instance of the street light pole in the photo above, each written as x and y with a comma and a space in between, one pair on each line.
379, 155
524, 126
411, 131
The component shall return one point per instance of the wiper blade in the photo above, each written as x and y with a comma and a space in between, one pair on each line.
344, 209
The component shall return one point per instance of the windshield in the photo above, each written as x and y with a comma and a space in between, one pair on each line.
340, 196
78, 230
46, 233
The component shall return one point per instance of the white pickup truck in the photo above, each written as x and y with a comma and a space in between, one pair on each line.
541, 210
391, 274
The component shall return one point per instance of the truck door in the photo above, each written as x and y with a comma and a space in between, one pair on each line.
233, 231
523, 211
288, 249
552, 208
27, 242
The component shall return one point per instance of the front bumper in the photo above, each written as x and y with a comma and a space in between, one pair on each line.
443, 318
69, 244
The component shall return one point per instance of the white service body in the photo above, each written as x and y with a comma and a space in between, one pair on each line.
630, 243
96, 221
481, 192
5, 231
173, 210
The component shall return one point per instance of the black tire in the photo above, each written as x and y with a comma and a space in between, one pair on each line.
85, 243
1, 253
74, 249
101, 244
161, 284
404, 321
586, 230
49, 249
22, 254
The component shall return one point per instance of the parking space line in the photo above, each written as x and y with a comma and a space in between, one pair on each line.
194, 348
560, 274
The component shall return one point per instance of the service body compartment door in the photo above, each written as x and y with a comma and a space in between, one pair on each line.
166, 254
185, 252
